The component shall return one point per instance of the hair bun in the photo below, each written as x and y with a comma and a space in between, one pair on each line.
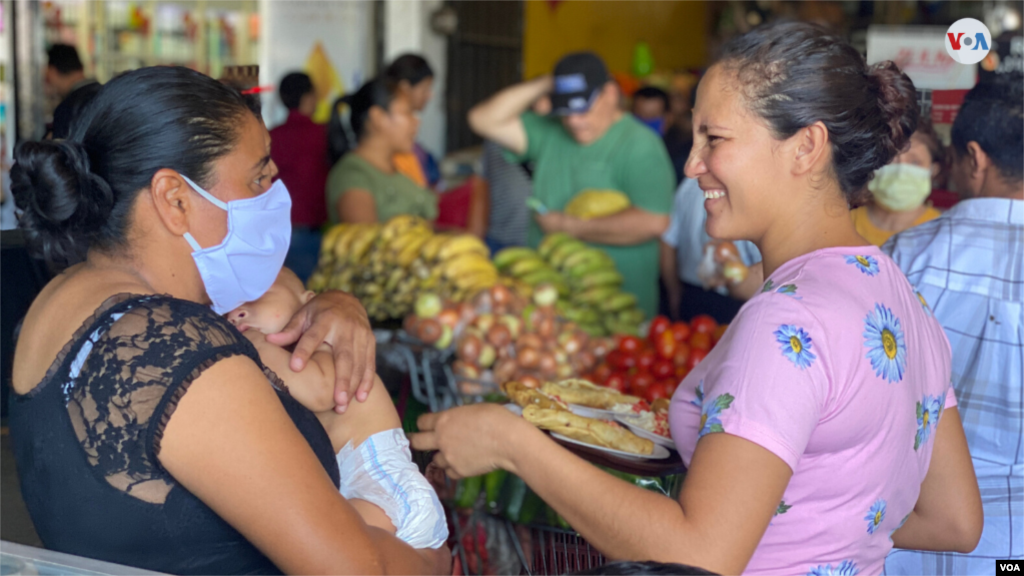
64, 204
897, 101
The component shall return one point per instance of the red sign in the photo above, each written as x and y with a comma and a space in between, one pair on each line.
945, 105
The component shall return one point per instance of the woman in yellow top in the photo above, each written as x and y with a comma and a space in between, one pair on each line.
899, 190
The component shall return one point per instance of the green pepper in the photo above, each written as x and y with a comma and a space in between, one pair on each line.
514, 494
493, 482
467, 491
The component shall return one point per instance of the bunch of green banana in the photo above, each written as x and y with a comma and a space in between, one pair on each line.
527, 266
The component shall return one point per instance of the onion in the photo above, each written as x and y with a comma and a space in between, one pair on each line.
429, 330
465, 370
449, 317
500, 295
468, 348
428, 305
546, 327
487, 356
504, 370
499, 335
545, 295
527, 357
529, 340
547, 364
484, 322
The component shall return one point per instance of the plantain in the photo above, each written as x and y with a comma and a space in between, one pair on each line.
589, 267
618, 302
526, 266
509, 256
541, 276
462, 244
550, 242
630, 316
600, 278
596, 295
564, 251
588, 256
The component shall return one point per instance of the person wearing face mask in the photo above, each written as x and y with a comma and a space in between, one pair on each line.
651, 107
822, 429
146, 430
900, 188
588, 143
365, 185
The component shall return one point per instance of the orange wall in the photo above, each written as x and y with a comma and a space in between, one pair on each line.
674, 30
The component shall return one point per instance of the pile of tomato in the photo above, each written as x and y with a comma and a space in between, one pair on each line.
652, 367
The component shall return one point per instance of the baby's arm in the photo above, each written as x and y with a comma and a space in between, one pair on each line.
313, 387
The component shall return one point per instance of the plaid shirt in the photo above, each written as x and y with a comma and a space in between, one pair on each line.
968, 265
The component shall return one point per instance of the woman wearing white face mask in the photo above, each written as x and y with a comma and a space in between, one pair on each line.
899, 190
147, 431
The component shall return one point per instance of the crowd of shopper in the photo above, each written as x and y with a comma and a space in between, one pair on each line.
861, 414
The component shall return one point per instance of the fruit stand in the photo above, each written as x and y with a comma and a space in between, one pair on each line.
547, 332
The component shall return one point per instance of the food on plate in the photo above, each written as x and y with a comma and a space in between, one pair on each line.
591, 397
589, 430
523, 396
655, 422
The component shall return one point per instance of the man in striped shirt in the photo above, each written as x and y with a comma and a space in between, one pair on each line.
968, 266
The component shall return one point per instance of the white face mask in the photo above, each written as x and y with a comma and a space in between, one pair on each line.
901, 187
245, 264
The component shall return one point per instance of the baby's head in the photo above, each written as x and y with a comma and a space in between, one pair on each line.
271, 313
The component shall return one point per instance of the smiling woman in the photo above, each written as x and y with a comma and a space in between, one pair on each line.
805, 420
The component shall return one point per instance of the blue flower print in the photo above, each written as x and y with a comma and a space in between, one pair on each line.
699, 392
796, 345
789, 289
782, 509
768, 286
875, 515
927, 418
887, 349
844, 568
709, 415
902, 522
924, 303
866, 264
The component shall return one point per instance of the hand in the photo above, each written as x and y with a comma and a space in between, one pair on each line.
471, 440
340, 321
553, 221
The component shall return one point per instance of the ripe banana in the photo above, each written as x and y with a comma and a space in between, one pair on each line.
317, 281
399, 243
362, 242
344, 240
509, 256
464, 263
433, 246
400, 224
411, 251
550, 242
476, 280
462, 244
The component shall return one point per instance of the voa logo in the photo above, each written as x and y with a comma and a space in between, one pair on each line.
968, 41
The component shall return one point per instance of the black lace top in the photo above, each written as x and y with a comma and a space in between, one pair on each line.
86, 440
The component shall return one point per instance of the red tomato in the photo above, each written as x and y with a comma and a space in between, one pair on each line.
663, 369
656, 390
680, 331
640, 382
601, 373
681, 372
629, 344
695, 357
717, 334
619, 360
659, 325
681, 354
617, 381
646, 359
700, 341
665, 345
703, 323
670, 387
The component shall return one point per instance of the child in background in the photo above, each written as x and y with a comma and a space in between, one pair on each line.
378, 476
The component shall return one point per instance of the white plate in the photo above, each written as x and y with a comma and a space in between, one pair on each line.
659, 453
627, 421
514, 408
588, 412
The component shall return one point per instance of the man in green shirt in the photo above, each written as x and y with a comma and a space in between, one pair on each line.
588, 142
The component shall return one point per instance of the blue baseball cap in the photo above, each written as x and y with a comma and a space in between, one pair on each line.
578, 80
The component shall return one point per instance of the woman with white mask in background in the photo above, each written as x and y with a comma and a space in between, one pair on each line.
899, 190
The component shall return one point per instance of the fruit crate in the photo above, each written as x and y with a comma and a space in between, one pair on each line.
488, 544
430, 374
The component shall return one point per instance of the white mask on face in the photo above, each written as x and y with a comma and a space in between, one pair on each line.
901, 187
245, 264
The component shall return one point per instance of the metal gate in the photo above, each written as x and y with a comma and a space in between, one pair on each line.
485, 54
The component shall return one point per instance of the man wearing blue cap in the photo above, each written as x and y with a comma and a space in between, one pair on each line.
588, 143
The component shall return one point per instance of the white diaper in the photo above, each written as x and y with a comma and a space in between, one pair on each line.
381, 471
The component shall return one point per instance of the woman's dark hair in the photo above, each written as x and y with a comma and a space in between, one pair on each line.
412, 68
993, 116
794, 74
78, 193
343, 136
293, 87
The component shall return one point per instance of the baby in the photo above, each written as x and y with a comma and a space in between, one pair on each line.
378, 476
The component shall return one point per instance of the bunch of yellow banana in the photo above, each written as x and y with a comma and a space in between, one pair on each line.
387, 266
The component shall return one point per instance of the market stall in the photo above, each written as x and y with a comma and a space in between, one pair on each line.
550, 334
